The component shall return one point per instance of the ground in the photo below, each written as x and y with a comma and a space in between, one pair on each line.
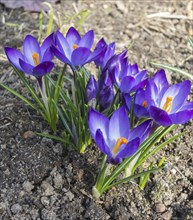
39, 178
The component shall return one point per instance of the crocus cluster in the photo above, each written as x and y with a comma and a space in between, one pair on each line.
125, 104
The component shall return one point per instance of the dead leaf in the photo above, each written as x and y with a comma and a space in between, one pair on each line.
28, 5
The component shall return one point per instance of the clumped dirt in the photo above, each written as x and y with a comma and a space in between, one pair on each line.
39, 178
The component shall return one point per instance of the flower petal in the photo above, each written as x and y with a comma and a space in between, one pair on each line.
79, 56
73, 37
87, 40
26, 67
160, 116
96, 121
100, 141
47, 43
13, 56
179, 92
63, 45
127, 83
119, 125
43, 68
129, 149
141, 131
182, 116
30, 46
60, 55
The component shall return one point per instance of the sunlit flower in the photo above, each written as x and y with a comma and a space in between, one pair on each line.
36, 59
114, 137
73, 49
165, 104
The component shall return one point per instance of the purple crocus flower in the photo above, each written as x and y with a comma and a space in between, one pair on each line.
35, 60
73, 49
114, 137
127, 77
165, 104
107, 52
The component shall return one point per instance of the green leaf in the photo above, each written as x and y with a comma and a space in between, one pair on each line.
22, 98
57, 138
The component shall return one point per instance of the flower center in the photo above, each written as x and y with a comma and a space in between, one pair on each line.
168, 104
75, 46
118, 144
144, 104
36, 58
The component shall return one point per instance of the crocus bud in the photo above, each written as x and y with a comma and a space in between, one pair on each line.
91, 90
106, 96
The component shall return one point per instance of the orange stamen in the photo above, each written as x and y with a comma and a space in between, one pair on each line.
168, 104
118, 144
144, 104
75, 46
36, 58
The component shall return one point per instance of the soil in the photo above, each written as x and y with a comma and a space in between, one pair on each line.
39, 178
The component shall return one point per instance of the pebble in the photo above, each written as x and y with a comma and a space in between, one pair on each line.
58, 181
48, 215
58, 149
28, 134
45, 201
49, 190
16, 208
70, 195
160, 207
28, 186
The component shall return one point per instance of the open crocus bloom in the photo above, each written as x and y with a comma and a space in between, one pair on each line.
128, 77
75, 50
166, 104
36, 59
114, 137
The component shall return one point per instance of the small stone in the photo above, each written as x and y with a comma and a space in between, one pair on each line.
58, 181
48, 215
28, 186
121, 7
49, 190
167, 215
160, 207
45, 201
3, 146
29, 134
58, 149
70, 196
2, 207
16, 208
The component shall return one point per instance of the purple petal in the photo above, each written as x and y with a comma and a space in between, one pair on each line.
94, 55
160, 79
48, 55
13, 56
119, 125
100, 141
141, 131
179, 92
182, 116
43, 68
160, 116
87, 40
30, 46
127, 101
60, 56
26, 67
63, 45
97, 121
47, 43
127, 84
73, 37
129, 149
80, 56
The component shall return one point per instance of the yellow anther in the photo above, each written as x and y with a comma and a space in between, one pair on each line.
118, 144
144, 104
168, 104
36, 58
75, 46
